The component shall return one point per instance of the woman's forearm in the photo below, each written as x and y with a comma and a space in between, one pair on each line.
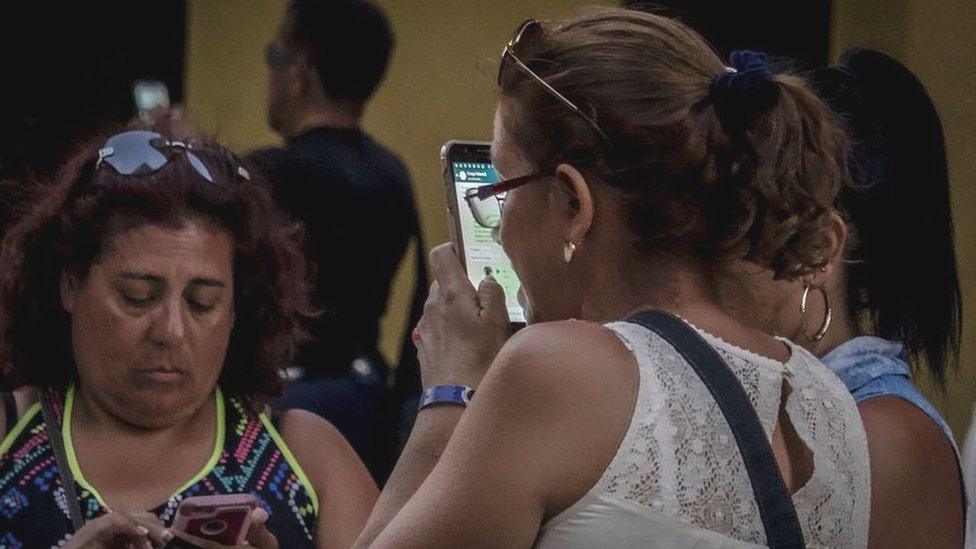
431, 432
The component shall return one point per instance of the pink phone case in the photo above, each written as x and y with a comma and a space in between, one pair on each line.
223, 518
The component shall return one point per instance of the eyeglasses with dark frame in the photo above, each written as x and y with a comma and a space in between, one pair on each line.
486, 201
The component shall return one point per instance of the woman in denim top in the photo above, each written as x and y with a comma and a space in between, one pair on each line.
887, 305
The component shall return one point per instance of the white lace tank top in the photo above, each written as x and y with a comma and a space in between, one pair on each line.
678, 480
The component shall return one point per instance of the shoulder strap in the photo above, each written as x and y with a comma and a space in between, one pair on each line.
10, 411
407, 381
64, 470
775, 504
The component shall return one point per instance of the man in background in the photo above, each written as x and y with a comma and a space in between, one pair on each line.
355, 200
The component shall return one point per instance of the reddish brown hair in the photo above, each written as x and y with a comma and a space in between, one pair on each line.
73, 221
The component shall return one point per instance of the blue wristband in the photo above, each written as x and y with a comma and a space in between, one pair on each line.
446, 394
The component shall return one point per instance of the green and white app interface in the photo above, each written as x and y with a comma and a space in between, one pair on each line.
482, 254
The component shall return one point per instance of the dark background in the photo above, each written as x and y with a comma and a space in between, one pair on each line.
67, 70
795, 29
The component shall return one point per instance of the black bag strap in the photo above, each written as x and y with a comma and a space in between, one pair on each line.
407, 380
64, 470
10, 411
775, 504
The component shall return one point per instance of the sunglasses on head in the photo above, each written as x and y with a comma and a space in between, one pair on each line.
486, 202
144, 152
526, 39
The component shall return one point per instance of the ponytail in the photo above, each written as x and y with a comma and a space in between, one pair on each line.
902, 273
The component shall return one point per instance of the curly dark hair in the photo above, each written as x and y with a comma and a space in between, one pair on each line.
699, 178
74, 219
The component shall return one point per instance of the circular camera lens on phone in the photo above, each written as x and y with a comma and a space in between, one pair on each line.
213, 528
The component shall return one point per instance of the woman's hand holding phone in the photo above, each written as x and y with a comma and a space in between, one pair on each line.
463, 328
223, 520
137, 530
467, 166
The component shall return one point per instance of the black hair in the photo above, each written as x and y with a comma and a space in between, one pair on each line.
347, 41
902, 273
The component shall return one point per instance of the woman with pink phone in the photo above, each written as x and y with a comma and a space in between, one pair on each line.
224, 519
153, 295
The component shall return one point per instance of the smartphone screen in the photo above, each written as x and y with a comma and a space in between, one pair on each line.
149, 94
482, 253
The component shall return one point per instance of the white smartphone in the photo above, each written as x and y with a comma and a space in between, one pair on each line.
467, 164
149, 94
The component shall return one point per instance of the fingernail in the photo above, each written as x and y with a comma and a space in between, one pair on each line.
259, 515
142, 530
167, 535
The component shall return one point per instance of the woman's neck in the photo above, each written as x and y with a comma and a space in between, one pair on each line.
93, 414
681, 287
629, 286
114, 455
842, 329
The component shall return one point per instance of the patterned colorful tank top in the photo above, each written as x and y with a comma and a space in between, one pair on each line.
249, 456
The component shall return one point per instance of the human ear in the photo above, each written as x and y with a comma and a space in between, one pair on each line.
574, 200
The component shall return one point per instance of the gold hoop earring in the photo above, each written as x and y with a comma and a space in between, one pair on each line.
568, 250
803, 312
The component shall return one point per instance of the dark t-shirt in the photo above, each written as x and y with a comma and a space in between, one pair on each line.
354, 198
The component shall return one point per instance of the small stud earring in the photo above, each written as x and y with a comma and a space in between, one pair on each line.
568, 250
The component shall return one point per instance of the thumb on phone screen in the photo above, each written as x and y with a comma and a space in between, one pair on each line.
258, 535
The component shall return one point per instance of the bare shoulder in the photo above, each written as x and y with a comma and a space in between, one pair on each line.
906, 433
301, 427
319, 447
566, 350
561, 396
312, 438
913, 466
346, 492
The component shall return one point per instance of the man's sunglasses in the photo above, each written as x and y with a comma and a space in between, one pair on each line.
486, 202
276, 56
143, 152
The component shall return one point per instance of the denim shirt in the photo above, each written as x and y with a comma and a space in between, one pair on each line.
871, 367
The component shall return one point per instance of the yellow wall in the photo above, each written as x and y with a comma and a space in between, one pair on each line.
225, 75
937, 41
441, 86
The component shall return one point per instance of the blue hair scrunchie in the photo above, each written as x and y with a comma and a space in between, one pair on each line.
743, 91
748, 70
